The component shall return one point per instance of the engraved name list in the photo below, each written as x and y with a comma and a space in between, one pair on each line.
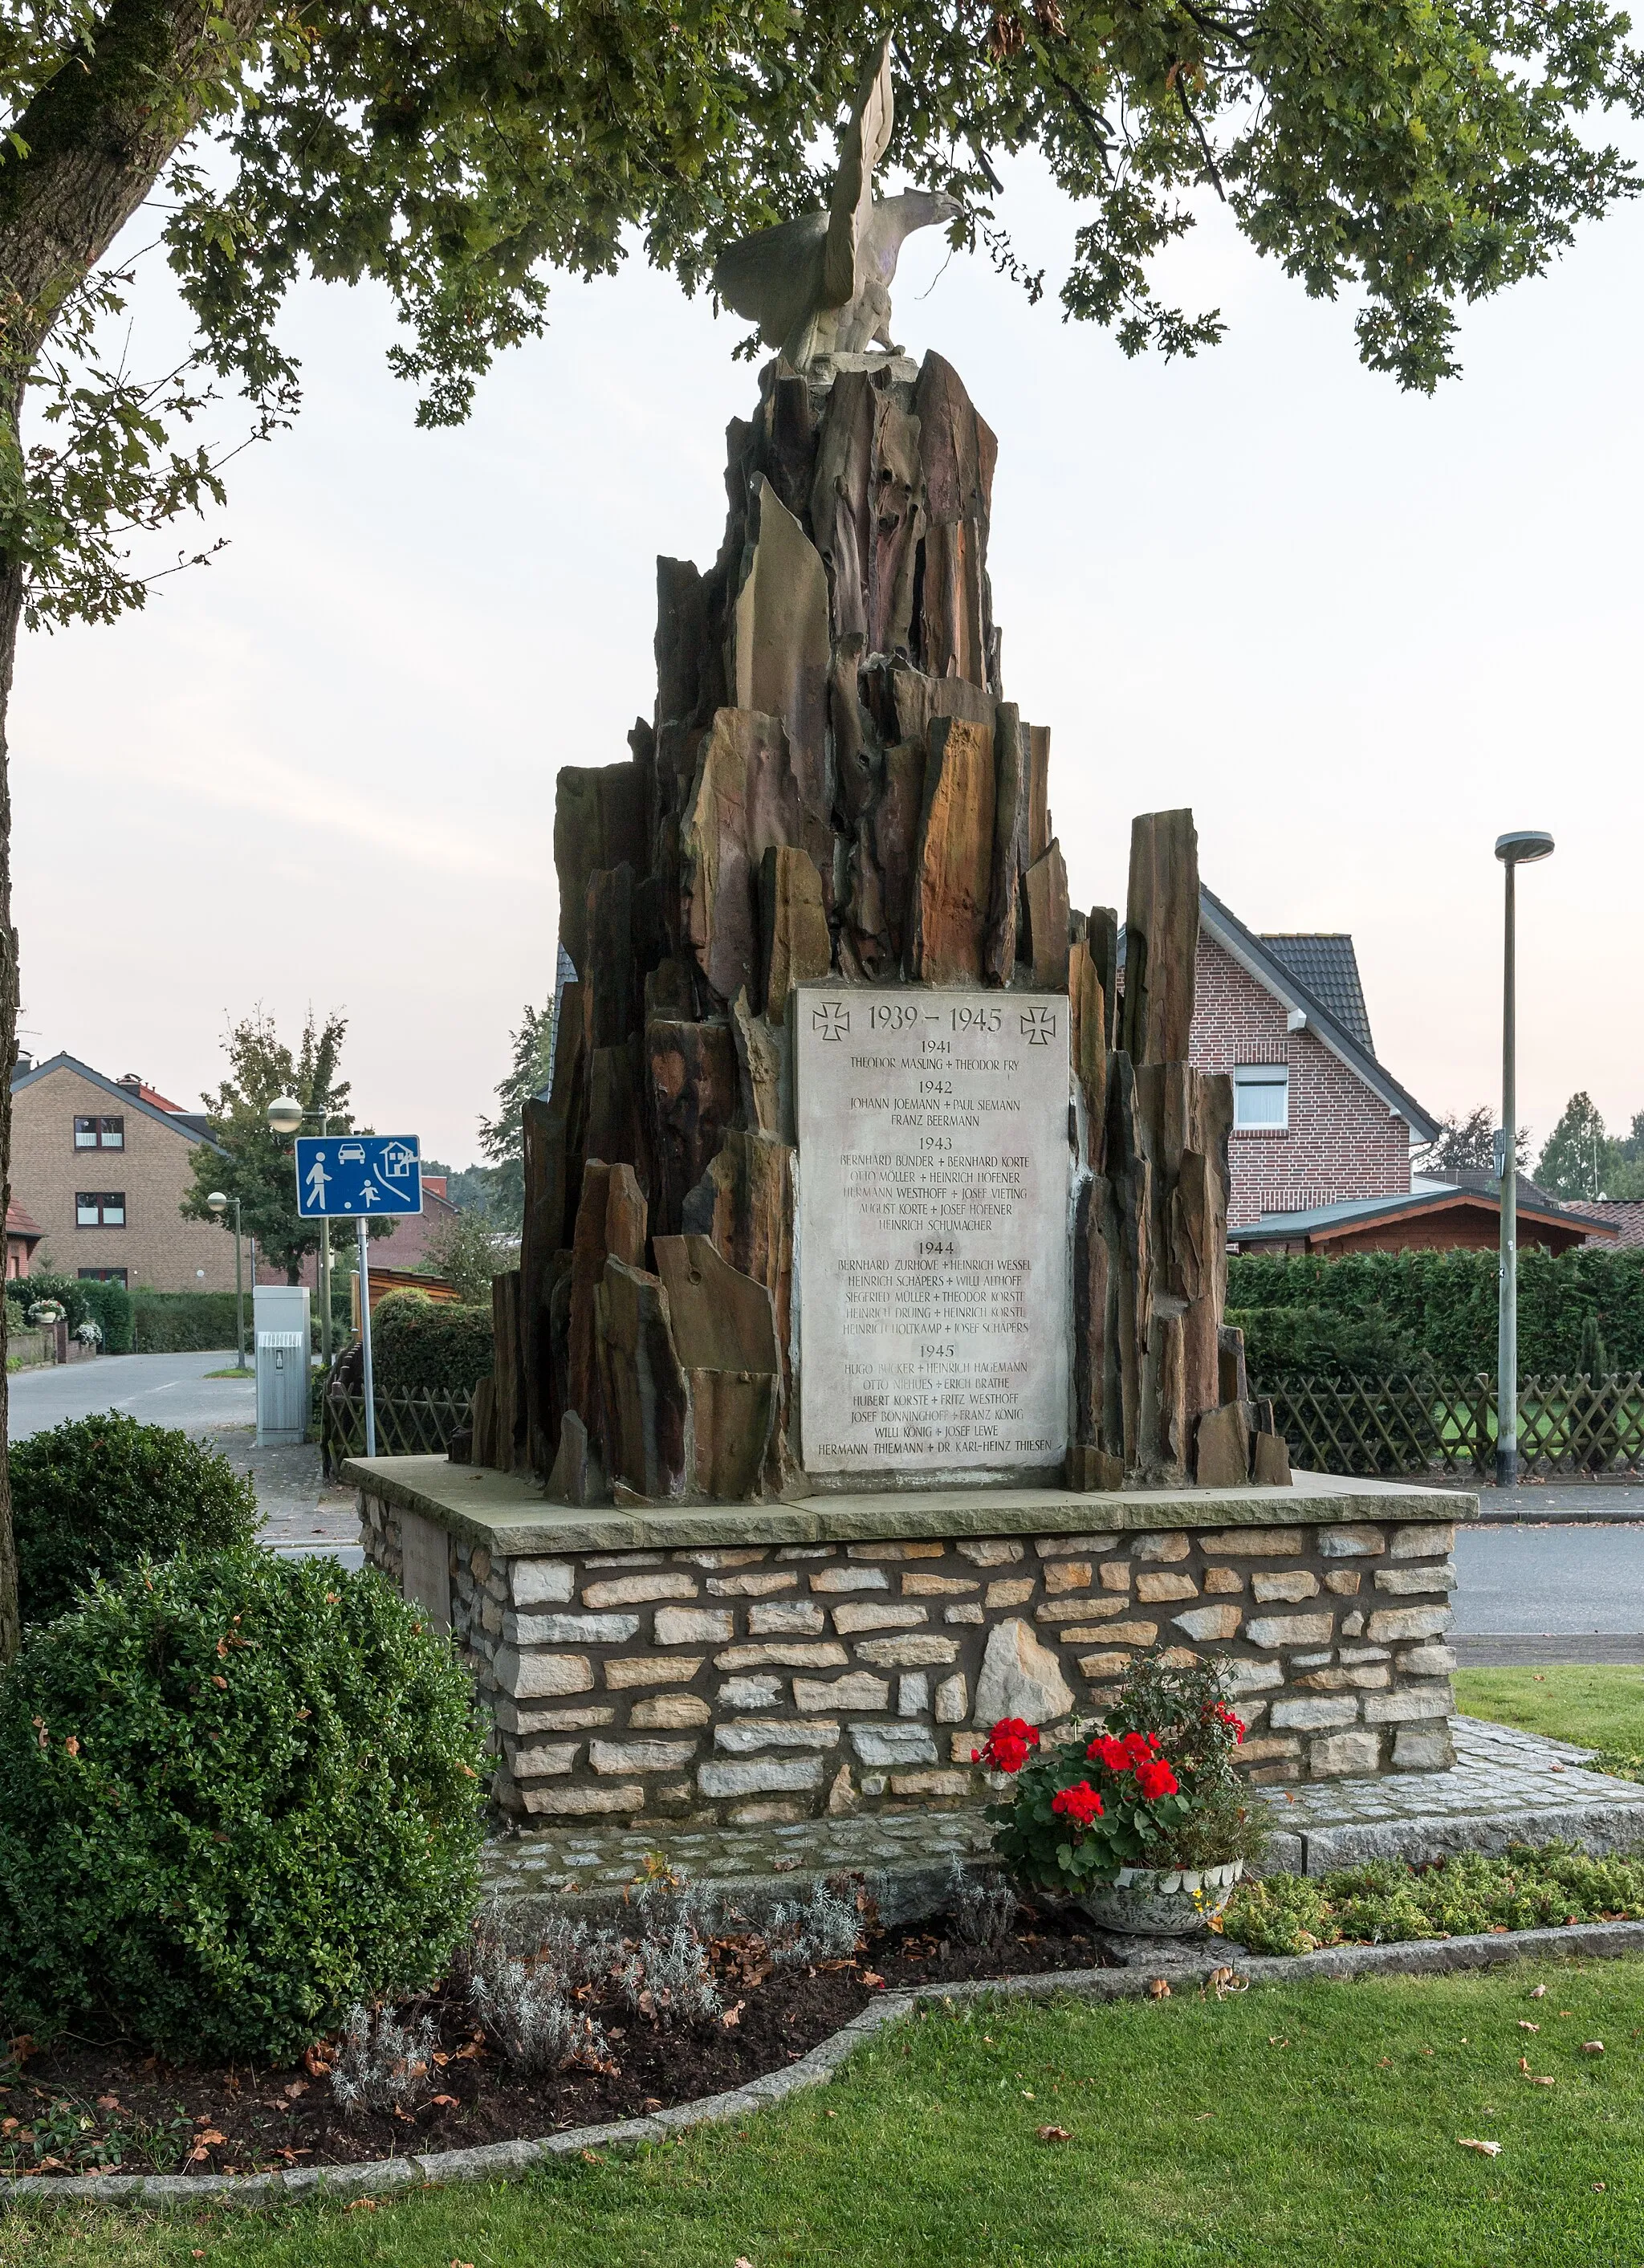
933, 1233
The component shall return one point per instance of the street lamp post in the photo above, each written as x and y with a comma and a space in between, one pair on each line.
285, 1115
1514, 851
219, 1206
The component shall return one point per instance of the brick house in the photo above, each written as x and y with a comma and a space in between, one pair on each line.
1319, 1119
102, 1165
22, 1234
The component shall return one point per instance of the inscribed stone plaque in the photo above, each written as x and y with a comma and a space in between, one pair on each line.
934, 1231
425, 1569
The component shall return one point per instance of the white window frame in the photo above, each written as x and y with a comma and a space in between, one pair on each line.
1263, 1080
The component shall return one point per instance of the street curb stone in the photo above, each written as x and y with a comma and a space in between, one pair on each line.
1427, 1956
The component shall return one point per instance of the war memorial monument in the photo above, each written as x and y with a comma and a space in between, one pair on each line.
865, 1376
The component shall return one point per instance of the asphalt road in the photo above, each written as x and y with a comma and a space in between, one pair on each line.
161, 1389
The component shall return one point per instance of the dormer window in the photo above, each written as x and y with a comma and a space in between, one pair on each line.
1261, 1097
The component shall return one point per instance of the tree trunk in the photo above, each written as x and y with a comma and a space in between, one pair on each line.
11, 610
97, 137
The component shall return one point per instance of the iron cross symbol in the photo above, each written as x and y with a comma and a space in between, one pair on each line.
831, 1020
1038, 1027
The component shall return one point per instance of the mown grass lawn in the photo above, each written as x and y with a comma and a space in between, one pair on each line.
1296, 2124
1601, 1706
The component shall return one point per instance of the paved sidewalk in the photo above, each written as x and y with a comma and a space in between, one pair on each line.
302, 1513
1555, 1501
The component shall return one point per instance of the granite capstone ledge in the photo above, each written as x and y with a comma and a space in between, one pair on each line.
511, 1517
1424, 1957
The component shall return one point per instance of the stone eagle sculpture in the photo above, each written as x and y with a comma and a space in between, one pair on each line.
820, 284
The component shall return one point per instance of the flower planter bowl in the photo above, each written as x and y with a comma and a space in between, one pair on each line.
1147, 1901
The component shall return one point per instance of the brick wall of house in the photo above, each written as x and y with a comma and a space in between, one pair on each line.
1341, 1142
158, 1249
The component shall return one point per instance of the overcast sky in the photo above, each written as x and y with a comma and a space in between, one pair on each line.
1360, 632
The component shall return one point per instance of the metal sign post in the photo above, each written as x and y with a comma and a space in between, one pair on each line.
351, 1176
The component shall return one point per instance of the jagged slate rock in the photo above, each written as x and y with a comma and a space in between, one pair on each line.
572, 1479
1088, 1015
794, 942
1036, 796
691, 1097
855, 768
911, 700
559, 1365
625, 1217
953, 858
779, 643
542, 1231
508, 1450
616, 1129
1130, 1173
1201, 1383
734, 1420
613, 985
745, 1202
670, 992
1194, 1221
1265, 1422
1222, 1459
1160, 936
682, 641
1097, 1421
785, 436
1164, 1426
895, 838
897, 525
841, 500
718, 914
643, 1388
1270, 1464
758, 1067
1086, 1469
957, 452
1045, 883
589, 1255
1101, 936
485, 1423
722, 1318
600, 818
998, 951
1232, 1377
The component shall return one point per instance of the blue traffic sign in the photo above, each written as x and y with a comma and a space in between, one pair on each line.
357, 1174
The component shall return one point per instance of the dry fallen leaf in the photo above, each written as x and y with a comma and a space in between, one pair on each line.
1158, 1990
742, 2261
1484, 2149
1054, 2134
1540, 1992
1592, 2047
1600, 2185
1524, 2025
446, 2102
361, 2205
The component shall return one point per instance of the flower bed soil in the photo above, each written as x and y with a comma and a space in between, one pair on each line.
81, 2108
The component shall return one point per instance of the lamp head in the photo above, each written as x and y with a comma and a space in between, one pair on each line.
1525, 844
217, 1202
285, 1113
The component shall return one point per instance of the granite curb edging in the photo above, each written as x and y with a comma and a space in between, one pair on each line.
1425, 1956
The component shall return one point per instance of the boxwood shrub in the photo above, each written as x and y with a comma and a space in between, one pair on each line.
420, 1346
98, 1493
237, 1793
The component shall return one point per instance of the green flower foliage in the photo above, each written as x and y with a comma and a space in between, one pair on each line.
420, 1346
95, 1495
1387, 1903
1445, 1302
236, 1794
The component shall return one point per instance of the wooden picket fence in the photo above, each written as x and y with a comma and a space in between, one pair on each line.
1413, 1424
407, 1424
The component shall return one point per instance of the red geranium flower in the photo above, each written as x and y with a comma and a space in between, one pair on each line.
1106, 1750
1009, 1746
1155, 1778
1138, 1746
1081, 1803
1235, 1725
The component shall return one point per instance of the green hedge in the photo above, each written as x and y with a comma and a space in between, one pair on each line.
1445, 1302
186, 1322
420, 1346
1325, 1342
106, 1304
